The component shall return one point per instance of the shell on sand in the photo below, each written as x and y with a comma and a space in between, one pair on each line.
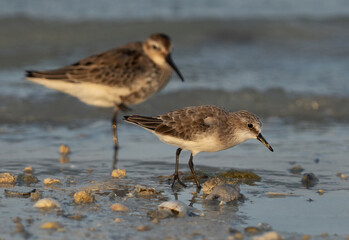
47, 203
177, 208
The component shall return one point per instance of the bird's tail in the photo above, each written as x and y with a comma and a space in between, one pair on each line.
149, 123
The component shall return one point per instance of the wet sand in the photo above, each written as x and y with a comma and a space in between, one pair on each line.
319, 149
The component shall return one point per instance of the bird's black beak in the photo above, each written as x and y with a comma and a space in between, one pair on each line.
262, 140
173, 65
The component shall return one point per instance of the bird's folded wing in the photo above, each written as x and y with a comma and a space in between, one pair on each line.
117, 67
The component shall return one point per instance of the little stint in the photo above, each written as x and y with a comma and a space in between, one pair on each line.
116, 78
201, 129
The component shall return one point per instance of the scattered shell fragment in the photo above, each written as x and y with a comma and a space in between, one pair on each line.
50, 181
268, 236
296, 169
84, 197
210, 184
324, 234
47, 203
118, 220
225, 192
35, 195
238, 236
7, 178
118, 173
119, 207
51, 225
344, 176
306, 237
141, 190
320, 192
10, 193
143, 228
309, 180
175, 207
28, 170
64, 149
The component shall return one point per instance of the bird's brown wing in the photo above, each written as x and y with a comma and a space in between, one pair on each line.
186, 123
116, 67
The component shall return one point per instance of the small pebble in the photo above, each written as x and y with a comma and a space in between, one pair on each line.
117, 220
265, 227
84, 197
119, 207
210, 184
143, 228
344, 176
28, 170
268, 236
347, 237
130, 195
50, 181
64, 150
155, 221
251, 230
118, 173
225, 192
238, 236
309, 179
47, 203
7, 178
51, 225
324, 234
306, 237
320, 192
296, 169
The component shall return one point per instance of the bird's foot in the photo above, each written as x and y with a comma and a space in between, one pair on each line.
176, 177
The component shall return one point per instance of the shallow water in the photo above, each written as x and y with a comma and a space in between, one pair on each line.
145, 159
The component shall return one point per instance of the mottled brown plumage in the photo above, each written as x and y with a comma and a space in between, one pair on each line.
202, 129
122, 76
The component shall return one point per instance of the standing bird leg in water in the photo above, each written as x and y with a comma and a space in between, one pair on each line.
120, 77
201, 129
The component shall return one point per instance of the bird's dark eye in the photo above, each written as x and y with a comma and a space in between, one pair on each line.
250, 125
155, 47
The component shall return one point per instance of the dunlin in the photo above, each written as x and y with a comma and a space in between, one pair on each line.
116, 78
201, 129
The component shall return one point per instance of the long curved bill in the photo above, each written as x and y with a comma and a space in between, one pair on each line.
173, 65
262, 140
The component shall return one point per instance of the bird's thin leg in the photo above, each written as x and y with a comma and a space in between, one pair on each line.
113, 122
176, 176
191, 166
115, 139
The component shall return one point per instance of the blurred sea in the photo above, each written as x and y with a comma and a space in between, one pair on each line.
276, 58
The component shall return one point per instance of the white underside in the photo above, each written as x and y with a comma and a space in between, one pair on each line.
203, 144
89, 93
